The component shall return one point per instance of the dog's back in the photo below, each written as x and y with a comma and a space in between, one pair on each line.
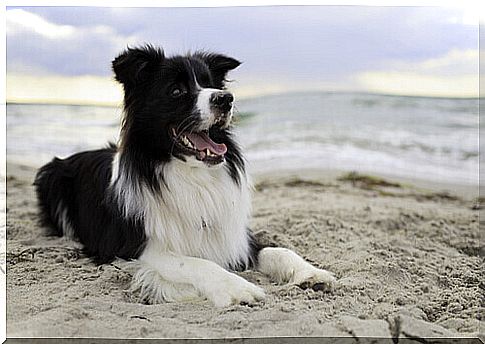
175, 196
72, 199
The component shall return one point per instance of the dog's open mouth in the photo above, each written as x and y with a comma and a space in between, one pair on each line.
200, 145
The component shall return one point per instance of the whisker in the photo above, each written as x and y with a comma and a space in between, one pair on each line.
186, 127
188, 118
180, 132
192, 130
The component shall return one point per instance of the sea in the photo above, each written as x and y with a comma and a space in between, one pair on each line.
433, 139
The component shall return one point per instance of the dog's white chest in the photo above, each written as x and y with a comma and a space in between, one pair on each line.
201, 213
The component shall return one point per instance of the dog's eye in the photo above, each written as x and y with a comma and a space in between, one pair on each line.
176, 92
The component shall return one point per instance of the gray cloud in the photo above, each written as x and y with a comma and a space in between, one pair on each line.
295, 43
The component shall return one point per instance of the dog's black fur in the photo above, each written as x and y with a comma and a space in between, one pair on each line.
75, 192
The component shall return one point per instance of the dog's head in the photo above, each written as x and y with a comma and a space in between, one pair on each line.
175, 106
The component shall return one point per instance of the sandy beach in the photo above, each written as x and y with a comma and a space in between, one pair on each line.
406, 258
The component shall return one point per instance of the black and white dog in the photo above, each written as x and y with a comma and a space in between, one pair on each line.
173, 195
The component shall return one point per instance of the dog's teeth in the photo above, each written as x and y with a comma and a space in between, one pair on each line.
187, 142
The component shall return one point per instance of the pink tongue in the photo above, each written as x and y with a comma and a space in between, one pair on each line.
203, 141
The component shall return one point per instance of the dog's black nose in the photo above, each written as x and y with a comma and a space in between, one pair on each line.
222, 100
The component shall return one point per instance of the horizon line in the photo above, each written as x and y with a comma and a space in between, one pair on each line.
118, 104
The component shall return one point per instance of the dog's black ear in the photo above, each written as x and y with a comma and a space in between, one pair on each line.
218, 64
135, 64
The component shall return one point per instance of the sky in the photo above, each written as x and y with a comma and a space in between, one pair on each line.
63, 54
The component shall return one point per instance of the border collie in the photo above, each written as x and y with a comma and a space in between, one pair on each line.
173, 196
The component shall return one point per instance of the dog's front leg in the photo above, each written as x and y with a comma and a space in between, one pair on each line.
285, 266
204, 277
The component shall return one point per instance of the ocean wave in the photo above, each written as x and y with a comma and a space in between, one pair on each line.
423, 137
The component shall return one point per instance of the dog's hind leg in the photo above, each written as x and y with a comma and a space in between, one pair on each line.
53, 184
285, 266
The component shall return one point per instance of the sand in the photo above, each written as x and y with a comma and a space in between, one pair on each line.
407, 260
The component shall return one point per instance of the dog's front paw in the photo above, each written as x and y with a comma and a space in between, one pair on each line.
314, 278
231, 289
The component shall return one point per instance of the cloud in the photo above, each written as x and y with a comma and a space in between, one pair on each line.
454, 62
19, 20
453, 74
282, 47
302, 41
35, 44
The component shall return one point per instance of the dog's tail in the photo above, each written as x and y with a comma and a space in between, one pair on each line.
53, 185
